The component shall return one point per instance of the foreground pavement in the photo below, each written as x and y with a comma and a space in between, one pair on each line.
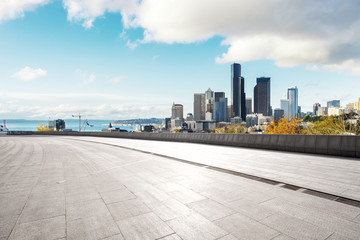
97, 188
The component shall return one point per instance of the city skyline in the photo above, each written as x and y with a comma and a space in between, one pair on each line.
130, 59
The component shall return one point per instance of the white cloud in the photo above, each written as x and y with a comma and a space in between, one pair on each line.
28, 74
86, 11
299, 32
131, 45
10, 9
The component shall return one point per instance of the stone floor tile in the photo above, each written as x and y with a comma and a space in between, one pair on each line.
295, 227
251, 209
117, 196
244, 227
210, 209
37, 210
228, 237
85, 209
283, 237
109, 186
92, 228
126, 209
115, 237
47, 229
186, 196
356, 219
82, 196
195, 227
170, 209
147, 226
7, 224
336, 236
171, 237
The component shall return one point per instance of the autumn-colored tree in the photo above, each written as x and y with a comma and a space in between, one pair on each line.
233, 128
284, 126
43, 128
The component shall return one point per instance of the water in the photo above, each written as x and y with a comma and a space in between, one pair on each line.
30, 125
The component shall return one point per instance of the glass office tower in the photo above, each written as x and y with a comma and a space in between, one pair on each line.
262, 96
292, 96
237, 92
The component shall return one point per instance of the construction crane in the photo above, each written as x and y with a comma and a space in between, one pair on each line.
86, 123
79, 116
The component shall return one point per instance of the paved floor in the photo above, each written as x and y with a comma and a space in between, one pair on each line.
69, 188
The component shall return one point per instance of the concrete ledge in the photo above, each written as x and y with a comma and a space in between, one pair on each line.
347, 146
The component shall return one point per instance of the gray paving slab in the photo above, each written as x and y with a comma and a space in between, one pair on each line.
194, 226
94, 227
86, 209
171, 237
128, 208
147, 226
117, 195
251, 209
169, 209
210, 209
7, 224
295, 227
244, 227
52, 228
37, 210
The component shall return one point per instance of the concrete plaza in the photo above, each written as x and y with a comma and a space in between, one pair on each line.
105, 188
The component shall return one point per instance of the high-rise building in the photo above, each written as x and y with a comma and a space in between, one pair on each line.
278, 113
248, 106
219, 95
284, 105
209, 100
292, 96
177, 111
238, 92
199, 106
220, 107
333, 103
316, 108
262, 96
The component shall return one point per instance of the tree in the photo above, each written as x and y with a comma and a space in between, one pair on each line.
284, 126
233, 128
43, 128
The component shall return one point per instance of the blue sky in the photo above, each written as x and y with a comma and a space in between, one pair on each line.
116, 60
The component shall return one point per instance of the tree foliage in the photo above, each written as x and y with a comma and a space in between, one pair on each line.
233, 128
284, 126
43, 128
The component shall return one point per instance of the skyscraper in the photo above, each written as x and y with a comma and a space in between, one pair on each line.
237, 92
220, 107
209, 100
199, 106
177, 111
248, 106
284, 105
316, 108
278, 113
292, 96
333, 103
262, 96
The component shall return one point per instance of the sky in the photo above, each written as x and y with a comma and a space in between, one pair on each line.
122, 59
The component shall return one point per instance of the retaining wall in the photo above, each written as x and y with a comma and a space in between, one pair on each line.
348, 146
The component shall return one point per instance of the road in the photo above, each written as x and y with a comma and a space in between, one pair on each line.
103, 188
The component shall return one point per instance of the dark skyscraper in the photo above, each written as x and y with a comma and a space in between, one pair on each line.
237, 92
262, 96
